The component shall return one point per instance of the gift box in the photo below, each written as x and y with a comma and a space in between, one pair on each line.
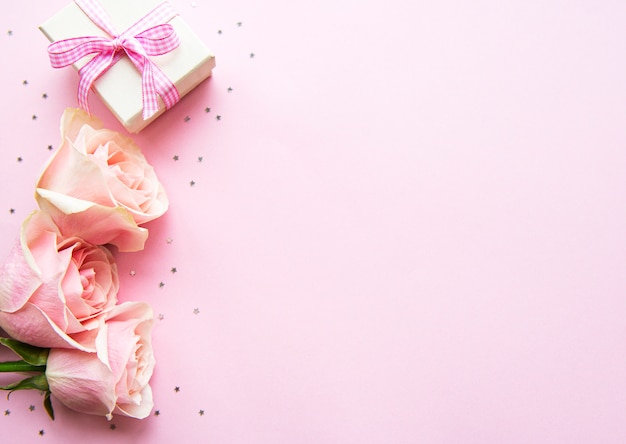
120, 86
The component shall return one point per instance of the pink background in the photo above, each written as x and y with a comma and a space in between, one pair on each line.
409, 224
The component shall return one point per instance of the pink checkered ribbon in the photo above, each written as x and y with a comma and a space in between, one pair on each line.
150, 36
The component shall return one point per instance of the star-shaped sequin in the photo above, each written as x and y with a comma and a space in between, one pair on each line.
173, 270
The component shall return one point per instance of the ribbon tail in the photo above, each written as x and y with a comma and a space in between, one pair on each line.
90, 73
149, 94
154, 84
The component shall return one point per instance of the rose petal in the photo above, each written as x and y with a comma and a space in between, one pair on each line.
73, 120
94, 223
122, 322
81, 382
141, 410
75, 174
33, 265
31, 325
90, 282
17, 281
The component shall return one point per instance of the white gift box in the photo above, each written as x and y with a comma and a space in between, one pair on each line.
120, 87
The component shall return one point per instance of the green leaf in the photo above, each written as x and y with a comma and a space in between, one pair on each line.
47, 403
29, 353
37, 382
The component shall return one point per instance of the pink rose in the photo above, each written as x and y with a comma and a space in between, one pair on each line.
116, 378
54, 290
98, 185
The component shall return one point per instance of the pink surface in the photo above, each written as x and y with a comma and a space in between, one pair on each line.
409, 224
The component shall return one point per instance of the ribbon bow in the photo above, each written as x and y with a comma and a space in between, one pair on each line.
150, 36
